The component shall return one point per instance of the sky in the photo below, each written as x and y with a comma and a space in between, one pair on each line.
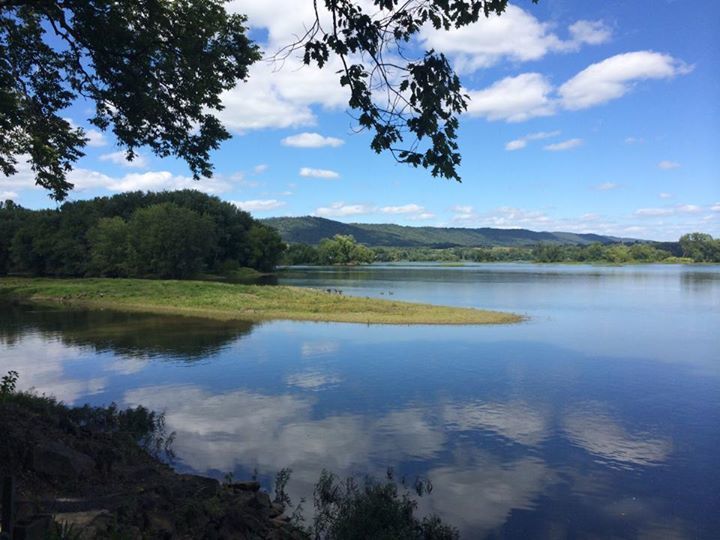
598, 117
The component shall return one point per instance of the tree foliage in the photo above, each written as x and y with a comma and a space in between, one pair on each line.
694, 247
342, 249
398, 97
700, 247
153, 70
171, 234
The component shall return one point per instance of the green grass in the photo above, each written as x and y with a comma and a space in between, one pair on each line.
227, 301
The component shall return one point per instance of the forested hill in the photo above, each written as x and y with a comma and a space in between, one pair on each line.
311, 230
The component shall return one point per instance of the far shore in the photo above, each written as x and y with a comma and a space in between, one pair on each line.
225, 301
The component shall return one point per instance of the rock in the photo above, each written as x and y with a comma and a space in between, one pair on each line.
56, 459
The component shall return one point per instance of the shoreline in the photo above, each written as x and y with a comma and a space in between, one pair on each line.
225, 301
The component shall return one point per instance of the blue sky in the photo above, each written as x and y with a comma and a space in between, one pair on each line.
585, 116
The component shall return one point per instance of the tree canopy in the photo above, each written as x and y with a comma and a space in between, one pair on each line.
154, 71
177, 234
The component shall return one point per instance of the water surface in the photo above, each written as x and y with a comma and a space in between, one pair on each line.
600, 416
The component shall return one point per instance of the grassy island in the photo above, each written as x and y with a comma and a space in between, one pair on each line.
233, 301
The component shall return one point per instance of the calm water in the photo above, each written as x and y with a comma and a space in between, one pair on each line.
599, 417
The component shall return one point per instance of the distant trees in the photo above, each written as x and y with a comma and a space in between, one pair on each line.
170, 235
700, 247
694, 247
340, 249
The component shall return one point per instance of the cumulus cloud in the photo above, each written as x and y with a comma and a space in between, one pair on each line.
514, 99
669, 211
259, 205
615, 76
404, 209
607, 186
311, 140
120, 158
590, 32
261, 168
520, 143
515, 36
85, 179
95, 138
654, 212
531, 95
326, 174
564, 145
413, 212
667, 165
340, 209
516, 144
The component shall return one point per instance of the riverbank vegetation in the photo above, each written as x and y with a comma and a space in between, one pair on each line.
692, 248
177, 234
226, 301
102, 472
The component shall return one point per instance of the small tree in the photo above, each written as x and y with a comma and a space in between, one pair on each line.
343, 249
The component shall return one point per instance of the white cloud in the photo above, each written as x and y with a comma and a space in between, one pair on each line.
326, 174
161, 180
634, 140
669, 211
311, 140
259, 169
340, 209
258, 205
513, 99
665, 195
667, 165
688, 208
95, 138
516, 144
280, 95
654, 212
120, 158
516, 35
405, 209
590, 32
607, 186
7, 195
564, 145
615, 76
520, 143
715, 207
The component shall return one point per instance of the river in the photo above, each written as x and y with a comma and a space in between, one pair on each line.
599, 416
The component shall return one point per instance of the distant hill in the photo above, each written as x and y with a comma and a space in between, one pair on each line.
311, 230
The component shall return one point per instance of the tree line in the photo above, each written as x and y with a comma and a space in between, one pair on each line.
343, 249
178, 234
